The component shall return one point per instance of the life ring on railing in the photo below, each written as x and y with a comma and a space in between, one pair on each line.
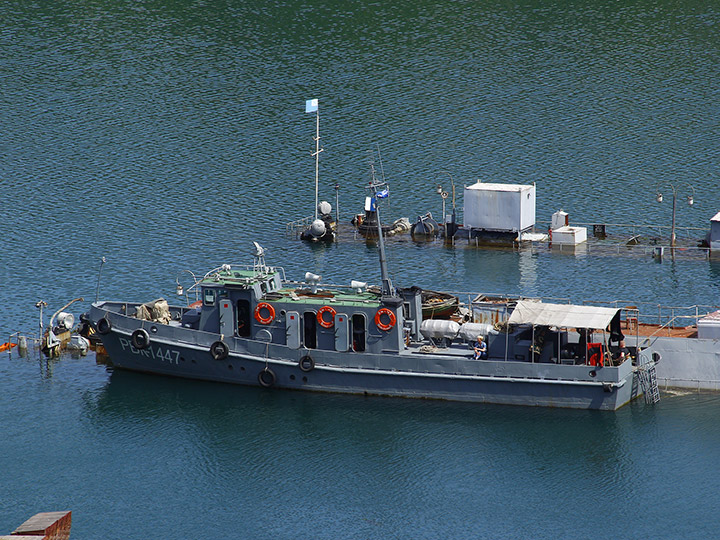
258, 315
321, 319
140, 338
379, 322
219, 350
267, 377
103, 325
306, 363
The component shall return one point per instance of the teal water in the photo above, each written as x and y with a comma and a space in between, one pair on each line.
166, 136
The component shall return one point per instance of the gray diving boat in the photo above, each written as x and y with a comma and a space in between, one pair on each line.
252, 326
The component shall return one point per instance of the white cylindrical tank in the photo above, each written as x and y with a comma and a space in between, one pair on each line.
470, 331
436, 328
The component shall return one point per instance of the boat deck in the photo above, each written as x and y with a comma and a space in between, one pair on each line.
647, 330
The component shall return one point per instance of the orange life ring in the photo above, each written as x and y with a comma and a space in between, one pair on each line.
378, 321
271, 313
321, 320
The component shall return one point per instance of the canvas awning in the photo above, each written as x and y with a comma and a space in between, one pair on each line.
562, 315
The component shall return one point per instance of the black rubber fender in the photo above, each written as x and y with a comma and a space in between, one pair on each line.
219, 350
267, 377
103, 326
306, 363
140, 338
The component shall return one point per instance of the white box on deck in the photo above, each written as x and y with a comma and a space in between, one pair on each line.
709, 326
499, 207
569, 235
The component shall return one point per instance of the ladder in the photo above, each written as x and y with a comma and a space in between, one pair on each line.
648, 381
654, 394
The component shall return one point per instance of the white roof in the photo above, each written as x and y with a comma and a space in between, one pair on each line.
487, 186
561, 315
716, 217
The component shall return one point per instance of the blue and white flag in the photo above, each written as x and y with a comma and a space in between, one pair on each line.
311, 105
383, 194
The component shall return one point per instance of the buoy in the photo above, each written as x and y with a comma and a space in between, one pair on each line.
7, 346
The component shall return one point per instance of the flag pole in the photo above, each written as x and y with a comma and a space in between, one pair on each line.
387, 286
311, 105
317, 157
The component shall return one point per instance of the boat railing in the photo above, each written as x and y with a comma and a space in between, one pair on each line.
256, 268
633, 312
298, 226
637, 229
661, 315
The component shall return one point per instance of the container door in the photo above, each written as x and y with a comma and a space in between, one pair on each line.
292, 329
227, 318
342, 334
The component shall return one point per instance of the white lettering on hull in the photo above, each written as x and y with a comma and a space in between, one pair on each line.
155, 352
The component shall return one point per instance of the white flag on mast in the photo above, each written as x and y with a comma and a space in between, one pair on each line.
311, 105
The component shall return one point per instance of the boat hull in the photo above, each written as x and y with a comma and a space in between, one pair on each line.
683, 363
182, 352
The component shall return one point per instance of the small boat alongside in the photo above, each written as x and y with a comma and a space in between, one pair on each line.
59, 333
369, 224
438, 305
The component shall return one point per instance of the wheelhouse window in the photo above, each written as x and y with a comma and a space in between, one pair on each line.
209, 297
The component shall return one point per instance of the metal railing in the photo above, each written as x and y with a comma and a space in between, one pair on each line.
298, 226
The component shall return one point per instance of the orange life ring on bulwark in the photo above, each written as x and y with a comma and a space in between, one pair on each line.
378, 320
271, 313
321, 320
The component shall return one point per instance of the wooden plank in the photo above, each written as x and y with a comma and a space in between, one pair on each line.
48, 525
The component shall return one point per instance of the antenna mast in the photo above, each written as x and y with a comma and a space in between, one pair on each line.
311, 105
387, 286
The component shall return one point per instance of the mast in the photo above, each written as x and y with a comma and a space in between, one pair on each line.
311, 105
317, 158
387, 288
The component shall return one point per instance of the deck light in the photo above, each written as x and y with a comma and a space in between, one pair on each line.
690, 201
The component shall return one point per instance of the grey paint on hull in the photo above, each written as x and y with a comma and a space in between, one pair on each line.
181, 352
